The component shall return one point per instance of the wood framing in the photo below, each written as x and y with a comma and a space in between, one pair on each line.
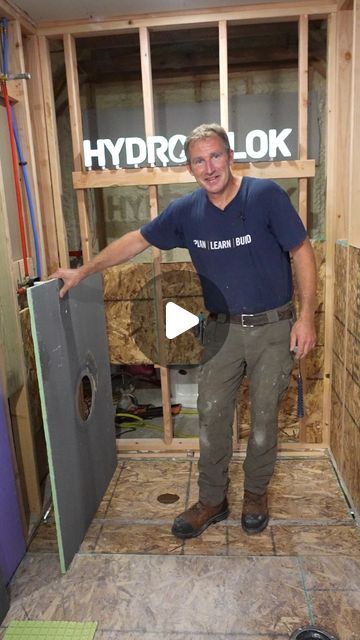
12, 12
303, 91
77, 140
24, 439
37, 115
223, 75
344, 59
249, 13
53, 149
180, 175
331, 172
14, 367
148, 100
301, 169
23, 120
303, 101
190, 445
354, 201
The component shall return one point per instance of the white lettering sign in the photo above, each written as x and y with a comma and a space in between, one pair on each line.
231, 243
157, 150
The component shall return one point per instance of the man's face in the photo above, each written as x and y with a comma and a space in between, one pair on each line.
210, 164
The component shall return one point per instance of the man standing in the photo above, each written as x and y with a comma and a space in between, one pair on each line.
240, 233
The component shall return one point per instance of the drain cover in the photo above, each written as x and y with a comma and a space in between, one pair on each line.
312, 633
168, 498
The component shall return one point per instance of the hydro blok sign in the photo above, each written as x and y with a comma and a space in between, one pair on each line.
160, 151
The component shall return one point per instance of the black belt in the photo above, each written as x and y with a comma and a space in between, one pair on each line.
256, 319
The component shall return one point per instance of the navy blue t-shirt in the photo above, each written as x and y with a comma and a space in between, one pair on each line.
242, 253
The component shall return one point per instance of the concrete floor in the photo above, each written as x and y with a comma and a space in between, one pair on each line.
137, 581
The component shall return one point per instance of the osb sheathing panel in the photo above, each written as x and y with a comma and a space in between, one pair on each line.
315, 363
339, 339
354, 291
352, 398
128, 281
186, 348
341, 251
353, 359
351, 458
336, 431
345, 422
352, 392
132, 326
337, 375
180, 284
126, 321
313, 401
180, 280
130, 313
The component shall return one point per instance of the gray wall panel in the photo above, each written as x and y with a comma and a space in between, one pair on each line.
70, 343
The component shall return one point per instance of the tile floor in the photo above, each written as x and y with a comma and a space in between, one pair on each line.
139, 582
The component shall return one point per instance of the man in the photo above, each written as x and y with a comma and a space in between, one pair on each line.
240, 233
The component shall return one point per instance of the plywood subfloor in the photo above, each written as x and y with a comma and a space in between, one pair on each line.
139, 582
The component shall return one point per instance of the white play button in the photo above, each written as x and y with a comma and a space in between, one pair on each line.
178, 320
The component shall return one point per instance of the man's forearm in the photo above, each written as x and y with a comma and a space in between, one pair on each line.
305, 274
303, 334
117, 252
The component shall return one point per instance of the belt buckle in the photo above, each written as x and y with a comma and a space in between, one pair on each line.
246, 315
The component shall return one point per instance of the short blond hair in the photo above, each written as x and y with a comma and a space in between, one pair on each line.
206, 131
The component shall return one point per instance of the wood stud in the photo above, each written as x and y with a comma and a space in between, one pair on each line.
37, 113
354, 129
223, 75
148, 99
180, 175
77, 140
53, 149
249, 12
331, 173
23, 120
303, 91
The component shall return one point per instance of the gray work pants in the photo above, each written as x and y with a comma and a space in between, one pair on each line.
230, 352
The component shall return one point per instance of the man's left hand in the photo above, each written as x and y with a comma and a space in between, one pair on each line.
303, 337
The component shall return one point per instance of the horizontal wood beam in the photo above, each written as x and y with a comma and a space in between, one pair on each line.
12, 12
157, 445
180, 175
345, 4
184, 18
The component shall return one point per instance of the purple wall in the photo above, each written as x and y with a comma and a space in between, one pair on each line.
12, 543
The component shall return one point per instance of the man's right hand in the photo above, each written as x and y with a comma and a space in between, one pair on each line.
70, 277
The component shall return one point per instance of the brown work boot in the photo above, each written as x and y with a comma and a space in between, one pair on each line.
194, 521
255, 514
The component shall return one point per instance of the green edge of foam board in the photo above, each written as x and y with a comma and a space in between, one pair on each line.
50, 630
46, 431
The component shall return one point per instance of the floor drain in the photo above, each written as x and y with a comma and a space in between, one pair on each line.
168, 498
312, 633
